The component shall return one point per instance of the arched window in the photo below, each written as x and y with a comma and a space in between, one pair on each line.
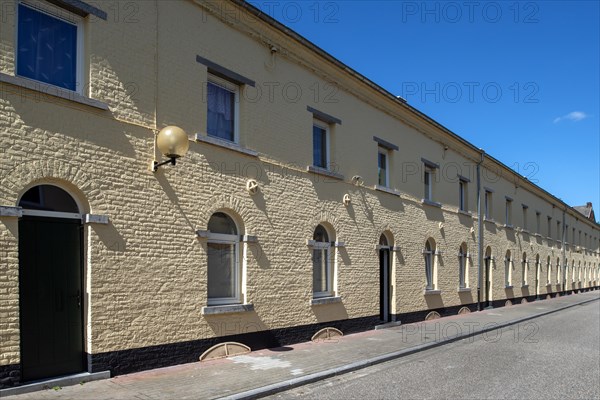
322, 263
508, 269
558, 270
224, 272
429, 254
48, 198
548, 271
463, 276
525, 269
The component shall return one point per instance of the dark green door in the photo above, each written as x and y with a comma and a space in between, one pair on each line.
50, 275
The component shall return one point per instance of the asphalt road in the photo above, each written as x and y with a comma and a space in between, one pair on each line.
552, 357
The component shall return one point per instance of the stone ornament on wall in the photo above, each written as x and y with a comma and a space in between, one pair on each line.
252, 186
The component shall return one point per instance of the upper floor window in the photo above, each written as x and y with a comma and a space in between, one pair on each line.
224, 272
49, 47
320, 144
558, 232
488, 205
525, 224
538, 227
549, 227
222, 109
463, 194
382, 167
508, 212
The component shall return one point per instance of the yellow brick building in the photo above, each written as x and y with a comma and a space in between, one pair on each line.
310, 197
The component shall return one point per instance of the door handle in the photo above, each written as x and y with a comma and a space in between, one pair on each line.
78, 297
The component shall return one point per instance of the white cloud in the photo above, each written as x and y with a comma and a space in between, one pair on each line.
574, 116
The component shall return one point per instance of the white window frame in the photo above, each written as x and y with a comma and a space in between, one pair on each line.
525, 271
463, 271
430, 273
235, 89
325, 126
428, 178
508, 271
234, 240
329, 250
386, 153
61, 14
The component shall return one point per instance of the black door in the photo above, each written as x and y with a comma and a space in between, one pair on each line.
487, 283
384, 284
50, 277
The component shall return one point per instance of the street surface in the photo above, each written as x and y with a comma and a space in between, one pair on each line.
552, 357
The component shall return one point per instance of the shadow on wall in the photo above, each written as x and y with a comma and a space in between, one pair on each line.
434, 301
110, 237
259, 255
433, 213
466, 297
330, 312
491, 227
510, 293
510, 234
168, 189
235, 324
465, 220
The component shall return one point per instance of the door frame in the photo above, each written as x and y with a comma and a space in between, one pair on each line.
42, 214
385, 287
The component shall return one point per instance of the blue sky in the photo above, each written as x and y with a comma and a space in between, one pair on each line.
518, 79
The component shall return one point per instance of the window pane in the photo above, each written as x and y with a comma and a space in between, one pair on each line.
382, 169
47, 48
221, 270
427, 185
221, 223
319, 147
320, 270
428, 271
221, 112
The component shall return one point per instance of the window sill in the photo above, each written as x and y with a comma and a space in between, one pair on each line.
325, 300
490, 220
464, 290
325, 172
465, 213
524, 286
51, 90
431, 292
507, 226
387, 190
227, 309
431, 203
525, 231
226, 145
509, 287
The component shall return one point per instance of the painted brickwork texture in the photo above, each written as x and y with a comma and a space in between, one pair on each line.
146, 271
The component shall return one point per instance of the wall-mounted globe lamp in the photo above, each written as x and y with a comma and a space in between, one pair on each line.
173, 143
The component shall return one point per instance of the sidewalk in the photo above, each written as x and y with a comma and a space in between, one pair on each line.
269, 371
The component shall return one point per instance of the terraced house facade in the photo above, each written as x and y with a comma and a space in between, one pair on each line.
309, 197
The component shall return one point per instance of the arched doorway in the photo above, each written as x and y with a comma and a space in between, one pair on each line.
385, 310
50, 284
488, 277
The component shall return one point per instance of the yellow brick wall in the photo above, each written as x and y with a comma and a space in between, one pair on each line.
146, 270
